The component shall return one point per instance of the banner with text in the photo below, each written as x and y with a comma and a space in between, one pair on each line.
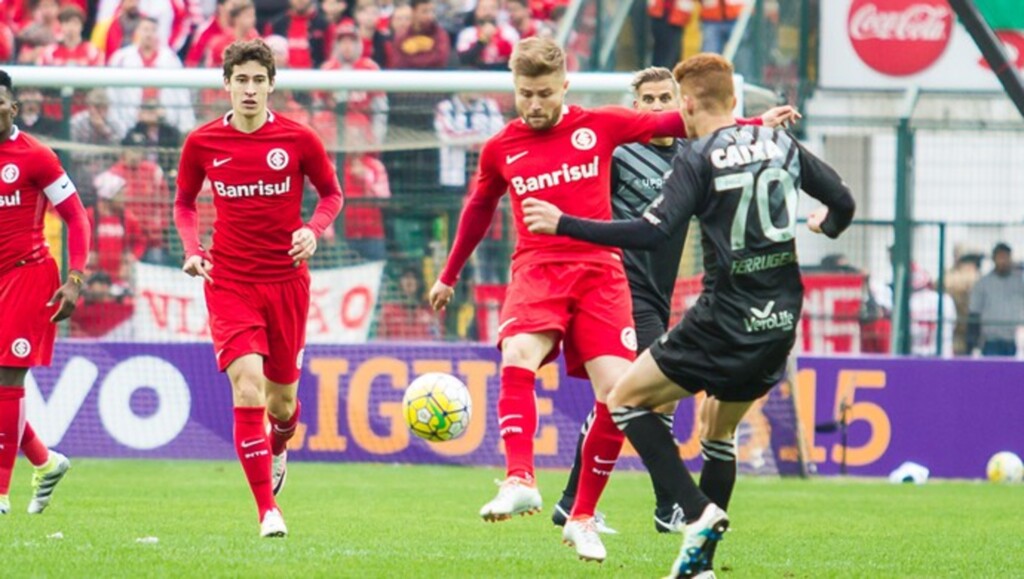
171, 308
105, 399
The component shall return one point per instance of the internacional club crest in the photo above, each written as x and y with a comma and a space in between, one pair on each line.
277, 159
21, 348
584, 139
10, 173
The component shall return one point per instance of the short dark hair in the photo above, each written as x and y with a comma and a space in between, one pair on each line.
416, 3
6, 82
70, 12
1000, 247
242, 51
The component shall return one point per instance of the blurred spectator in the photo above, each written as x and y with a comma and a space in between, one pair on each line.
173, 17
960, 280
95, 125
243, 27
520, 18
148, 51
462, 123
347, 55
924, 317
717, 19
335, 13
425, 44
71, 50
399, 23
6, 42
147, 197
486, 44
113, 33
365, 179
41, 31
374, 36
117, 240
668, 18
31, 116
151, 132
104, 310
408, 316
547, 9
282, 100
219, 23
306, 31
997, 307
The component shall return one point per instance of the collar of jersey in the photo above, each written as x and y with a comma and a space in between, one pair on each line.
229, 114
14, 133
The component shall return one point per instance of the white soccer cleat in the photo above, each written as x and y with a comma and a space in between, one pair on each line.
5, 505
698, 537
515, 497
561, 516
582, 534
279, 471
273, 524
45, 479
709, 574
671, 522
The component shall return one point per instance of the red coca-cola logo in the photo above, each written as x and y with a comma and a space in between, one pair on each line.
1013, 44
900, 37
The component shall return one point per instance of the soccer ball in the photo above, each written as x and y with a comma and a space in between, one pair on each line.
437, 407
1005, 467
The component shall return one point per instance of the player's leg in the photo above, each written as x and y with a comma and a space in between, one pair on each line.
283, 411
521, 355
12, 413
719, 421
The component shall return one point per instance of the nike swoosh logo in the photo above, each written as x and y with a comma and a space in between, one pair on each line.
219, 162
65, 184
763, 313
509, 159
600, 460
505, 323
438, 414
509, 417
249, 443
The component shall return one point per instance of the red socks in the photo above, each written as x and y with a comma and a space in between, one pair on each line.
33, 448
600, 450
282, 431
517, 419
12, 408
253, 450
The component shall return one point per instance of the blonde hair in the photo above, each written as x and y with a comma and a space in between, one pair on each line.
650, 74
708, 79
533, 57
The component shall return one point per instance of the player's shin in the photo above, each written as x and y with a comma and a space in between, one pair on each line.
573, 484
33, 448
664, 499
718, 476
517, 420
656, 447
600, 451
12, 409
253, 450
281, 431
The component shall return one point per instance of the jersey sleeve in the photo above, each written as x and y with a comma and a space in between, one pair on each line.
190, 181
681, 197
51, 178
630, 126
318, 167
476, 216
822, 182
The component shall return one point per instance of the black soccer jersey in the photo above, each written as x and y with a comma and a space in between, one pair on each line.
638, 173
741, 183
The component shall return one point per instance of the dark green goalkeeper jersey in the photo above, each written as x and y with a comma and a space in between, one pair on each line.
638, 173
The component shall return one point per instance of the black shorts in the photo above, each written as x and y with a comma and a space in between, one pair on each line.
699, 359
650, 324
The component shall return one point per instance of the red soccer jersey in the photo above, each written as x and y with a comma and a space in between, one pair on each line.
568, 165
257, 181
30, 175
85, 54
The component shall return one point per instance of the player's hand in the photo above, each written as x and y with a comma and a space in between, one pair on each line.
197, 265
783, 116
67, 296
541, 216
303, 245
816, 218
440, 295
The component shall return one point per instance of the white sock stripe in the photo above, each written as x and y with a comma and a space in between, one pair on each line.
622, 416
283, 430
667, 419
718, 449
585, 428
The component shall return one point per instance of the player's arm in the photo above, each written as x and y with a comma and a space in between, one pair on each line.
473, 223
318, 167
186, 216
822, 182
62, 194
668, 214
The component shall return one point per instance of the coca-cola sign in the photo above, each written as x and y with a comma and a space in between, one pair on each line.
900, 37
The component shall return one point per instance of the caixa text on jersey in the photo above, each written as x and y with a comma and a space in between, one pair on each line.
260, 188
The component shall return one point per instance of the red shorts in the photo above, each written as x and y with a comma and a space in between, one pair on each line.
26, 332
268, 319
587, 304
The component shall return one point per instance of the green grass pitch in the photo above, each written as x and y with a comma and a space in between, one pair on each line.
351, 520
